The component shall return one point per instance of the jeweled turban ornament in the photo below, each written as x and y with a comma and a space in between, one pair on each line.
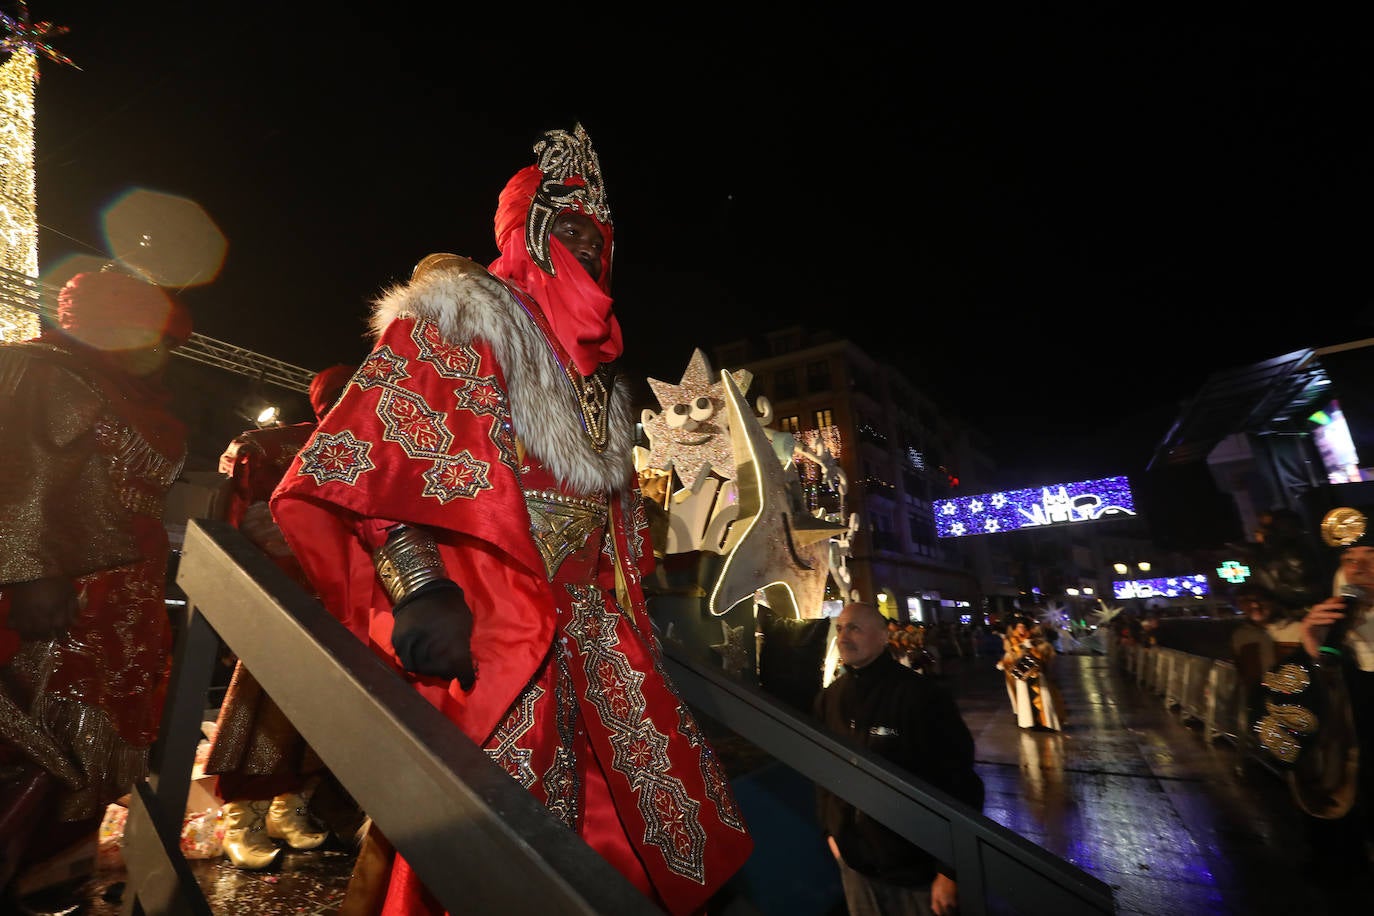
571, 179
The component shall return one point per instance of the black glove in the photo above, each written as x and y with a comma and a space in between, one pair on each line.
433, 633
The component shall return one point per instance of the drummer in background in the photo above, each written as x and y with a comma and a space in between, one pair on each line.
1028, 660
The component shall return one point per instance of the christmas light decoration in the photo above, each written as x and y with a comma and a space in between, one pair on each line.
24, 42
1012, 510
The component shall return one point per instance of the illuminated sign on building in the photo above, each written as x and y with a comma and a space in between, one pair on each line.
1014, 510
1168, 587
1233, 571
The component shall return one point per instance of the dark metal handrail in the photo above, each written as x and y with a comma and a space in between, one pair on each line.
473, 835
990, 859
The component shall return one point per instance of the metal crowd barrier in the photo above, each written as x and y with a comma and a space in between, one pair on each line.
1171, 678
1224, 714
1205, 690
475, 837
1158, 667
1193, 696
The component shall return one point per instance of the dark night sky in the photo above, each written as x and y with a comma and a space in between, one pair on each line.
1059, 224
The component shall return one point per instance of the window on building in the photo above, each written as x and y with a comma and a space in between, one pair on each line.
823, 418
880, 530
785, 384
818, 376
921, 527
790, 424
781, 342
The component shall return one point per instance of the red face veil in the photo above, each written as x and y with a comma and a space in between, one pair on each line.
567, 177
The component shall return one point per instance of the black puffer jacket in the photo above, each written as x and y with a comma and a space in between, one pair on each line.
907, 718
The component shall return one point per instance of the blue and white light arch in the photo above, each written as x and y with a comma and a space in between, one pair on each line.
1014, 510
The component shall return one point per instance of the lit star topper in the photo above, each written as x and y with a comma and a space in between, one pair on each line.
31, 37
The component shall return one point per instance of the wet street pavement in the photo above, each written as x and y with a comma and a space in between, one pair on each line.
1130, 792
1136, 796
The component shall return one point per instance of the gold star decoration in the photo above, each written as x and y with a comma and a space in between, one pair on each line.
735, 658
773, 544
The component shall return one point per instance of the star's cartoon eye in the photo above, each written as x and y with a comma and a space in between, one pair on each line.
702, 409
680, 417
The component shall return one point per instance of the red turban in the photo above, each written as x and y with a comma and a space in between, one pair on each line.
109, 310
578, 307
326, 387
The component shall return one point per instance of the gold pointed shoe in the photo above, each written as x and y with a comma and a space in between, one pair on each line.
289, 820
246, 843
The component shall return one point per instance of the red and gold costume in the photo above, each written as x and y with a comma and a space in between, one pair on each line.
472, 418
265, 768
257, 752
88, 453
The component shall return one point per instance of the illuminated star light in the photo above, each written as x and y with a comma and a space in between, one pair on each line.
31, 37
975, 506
771, 545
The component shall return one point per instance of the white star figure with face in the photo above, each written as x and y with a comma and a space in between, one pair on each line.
691, 435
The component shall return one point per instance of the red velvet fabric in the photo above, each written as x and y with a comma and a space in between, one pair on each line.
326, 386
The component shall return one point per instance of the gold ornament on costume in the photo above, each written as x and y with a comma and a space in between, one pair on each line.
409, 559
593, 393
563, 155
1288, 679
1277, 740
444, 261
561, 524
1343, 527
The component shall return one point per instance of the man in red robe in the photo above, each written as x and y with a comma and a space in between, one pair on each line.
88, 452
266, 772
469, 509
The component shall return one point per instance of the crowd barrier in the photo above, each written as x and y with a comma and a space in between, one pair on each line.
1203, 690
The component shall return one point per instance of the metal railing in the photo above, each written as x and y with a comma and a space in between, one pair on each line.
472, 834
21, 291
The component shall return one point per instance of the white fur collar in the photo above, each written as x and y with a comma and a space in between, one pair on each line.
469, 303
